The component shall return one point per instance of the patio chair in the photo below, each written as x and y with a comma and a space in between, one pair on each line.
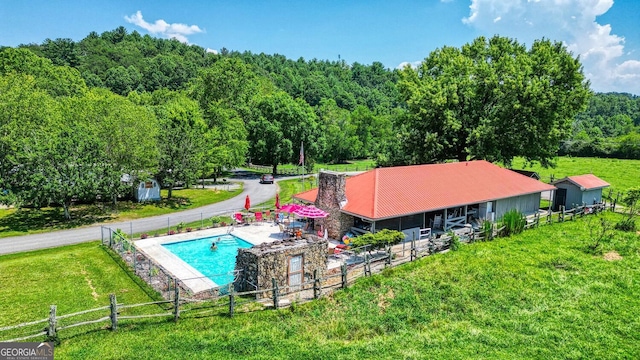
238, 218
284, 231
259, 218
267, 215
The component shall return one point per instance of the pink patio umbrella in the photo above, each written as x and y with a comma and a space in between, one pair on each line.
289, 208
311, 212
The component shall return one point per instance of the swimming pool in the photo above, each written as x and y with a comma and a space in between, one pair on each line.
217, 265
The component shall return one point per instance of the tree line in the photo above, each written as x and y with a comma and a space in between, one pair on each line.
76, 116
609, 127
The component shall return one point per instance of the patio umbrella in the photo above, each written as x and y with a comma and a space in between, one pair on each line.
289, 208
247, 203
278, 201
311, 212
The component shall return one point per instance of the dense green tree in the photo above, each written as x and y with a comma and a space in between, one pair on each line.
493, 99
278, 126
56, 80
181, 140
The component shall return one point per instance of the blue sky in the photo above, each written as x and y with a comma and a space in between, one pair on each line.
605, 33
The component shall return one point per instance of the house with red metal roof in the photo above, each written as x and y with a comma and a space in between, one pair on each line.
578, 190
409, 198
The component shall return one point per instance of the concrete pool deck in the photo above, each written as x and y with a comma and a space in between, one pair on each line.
255, 234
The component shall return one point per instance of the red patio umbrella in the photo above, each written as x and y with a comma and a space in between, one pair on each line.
278, 201
247, 203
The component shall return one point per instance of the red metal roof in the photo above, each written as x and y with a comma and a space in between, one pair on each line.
395, 191
587, 181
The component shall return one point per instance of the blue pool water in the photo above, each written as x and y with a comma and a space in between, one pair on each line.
218, 264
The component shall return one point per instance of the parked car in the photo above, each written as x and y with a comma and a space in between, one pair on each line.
266, 179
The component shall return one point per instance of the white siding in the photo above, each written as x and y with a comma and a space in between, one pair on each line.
526, 204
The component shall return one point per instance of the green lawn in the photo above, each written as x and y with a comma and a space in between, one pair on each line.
621, 174
31, 221
75, 278
541, 294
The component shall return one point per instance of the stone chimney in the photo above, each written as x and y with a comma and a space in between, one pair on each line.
332, 197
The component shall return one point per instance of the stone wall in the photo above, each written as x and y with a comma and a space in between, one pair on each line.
331, 198
261, 263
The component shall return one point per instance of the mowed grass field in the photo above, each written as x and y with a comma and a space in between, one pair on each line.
540, 294
621, 174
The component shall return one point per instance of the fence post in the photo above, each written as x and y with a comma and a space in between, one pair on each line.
316, 284
232, 300
367, 265
134, 259
414, 253
201, 220
276, 301
388, 262
51, 331
114, 312
176, 301
110, 238
343, 272
168, 225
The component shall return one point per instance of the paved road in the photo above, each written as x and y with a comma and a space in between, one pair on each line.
257, 192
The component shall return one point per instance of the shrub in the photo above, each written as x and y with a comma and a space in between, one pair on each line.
455, 241
215, 221
171, 232
144, 236
378, 240
487, 230
513, 222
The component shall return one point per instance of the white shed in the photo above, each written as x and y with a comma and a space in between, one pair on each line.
577, 190
148, 190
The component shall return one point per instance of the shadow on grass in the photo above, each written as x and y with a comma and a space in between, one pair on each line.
34, 220
38, 220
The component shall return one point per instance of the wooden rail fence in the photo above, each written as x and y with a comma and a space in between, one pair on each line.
364, 262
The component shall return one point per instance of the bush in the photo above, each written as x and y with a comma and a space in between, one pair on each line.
455, 241
513, 222
378, 240
487, 230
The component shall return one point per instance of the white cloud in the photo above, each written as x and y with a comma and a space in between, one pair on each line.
413, 65
575, 23
160, 27
212, 51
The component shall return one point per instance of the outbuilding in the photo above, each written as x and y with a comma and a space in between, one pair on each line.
574, 191
147, 190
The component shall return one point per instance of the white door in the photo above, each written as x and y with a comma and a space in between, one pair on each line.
295, 270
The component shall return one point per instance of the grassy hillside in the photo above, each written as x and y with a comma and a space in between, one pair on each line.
541, 294
621, 174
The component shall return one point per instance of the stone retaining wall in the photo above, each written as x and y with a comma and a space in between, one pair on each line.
256, 266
